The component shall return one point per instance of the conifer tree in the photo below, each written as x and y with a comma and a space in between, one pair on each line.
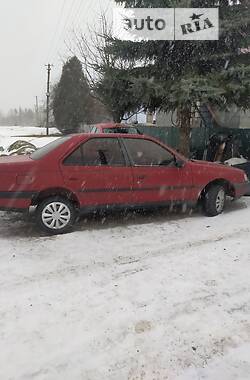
72, 100
176, 75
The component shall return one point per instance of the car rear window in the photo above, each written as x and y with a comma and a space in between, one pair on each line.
42, 152
131, 131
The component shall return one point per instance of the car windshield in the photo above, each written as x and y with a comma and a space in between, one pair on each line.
42, 152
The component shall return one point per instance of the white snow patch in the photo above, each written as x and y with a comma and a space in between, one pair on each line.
34, 135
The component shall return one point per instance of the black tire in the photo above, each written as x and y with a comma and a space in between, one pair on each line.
214, 200
48, 210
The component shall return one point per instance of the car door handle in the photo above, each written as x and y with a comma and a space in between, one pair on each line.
140, 178
73, 179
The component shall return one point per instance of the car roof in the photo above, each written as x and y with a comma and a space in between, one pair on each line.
79, 136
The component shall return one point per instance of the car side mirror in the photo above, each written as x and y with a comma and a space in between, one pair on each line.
179, 163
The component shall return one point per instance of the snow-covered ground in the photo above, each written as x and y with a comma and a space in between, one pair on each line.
134, 297
34, 135
153, 296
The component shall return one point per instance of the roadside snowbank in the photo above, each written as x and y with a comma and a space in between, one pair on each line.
34, 135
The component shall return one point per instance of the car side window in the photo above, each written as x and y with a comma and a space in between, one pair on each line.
74, 159
148, 153
97, 152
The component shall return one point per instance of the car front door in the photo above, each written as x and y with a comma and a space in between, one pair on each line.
98, 173
157, 179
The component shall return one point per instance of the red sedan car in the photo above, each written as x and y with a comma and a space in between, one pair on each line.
85, 172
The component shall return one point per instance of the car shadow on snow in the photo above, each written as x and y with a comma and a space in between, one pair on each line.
18, 225
157, 215
237, 205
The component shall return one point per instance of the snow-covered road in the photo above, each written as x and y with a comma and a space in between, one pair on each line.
139, 297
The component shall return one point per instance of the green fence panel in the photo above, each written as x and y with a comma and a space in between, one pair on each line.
167, 135
199, 136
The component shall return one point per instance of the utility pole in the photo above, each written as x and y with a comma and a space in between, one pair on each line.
37, 112
48, 97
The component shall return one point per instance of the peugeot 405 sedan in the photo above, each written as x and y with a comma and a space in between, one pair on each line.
87, 172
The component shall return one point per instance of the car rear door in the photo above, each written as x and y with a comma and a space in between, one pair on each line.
98, 173
157, 179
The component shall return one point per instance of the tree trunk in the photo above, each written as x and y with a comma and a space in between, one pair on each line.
117, 118
185, 130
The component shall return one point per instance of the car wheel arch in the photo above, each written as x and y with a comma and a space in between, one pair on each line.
229, 187
56, 191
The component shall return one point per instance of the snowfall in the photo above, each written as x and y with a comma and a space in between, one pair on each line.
155, 296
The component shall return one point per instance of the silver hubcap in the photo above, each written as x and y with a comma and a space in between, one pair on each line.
56, 215
220, 200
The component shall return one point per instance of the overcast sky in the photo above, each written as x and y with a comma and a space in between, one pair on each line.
32, 34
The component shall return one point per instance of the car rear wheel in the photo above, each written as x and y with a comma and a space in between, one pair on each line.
214, 200
56, 215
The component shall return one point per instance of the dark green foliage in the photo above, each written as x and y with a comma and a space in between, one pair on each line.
177, 74
72, 101
115, 89
99, 112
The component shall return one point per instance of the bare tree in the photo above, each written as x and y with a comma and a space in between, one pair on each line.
108, 76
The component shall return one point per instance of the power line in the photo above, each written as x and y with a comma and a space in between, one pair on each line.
74, 13
70, 13
81, 10
75, 16
48, 97
57, 28
60, 30
78, 11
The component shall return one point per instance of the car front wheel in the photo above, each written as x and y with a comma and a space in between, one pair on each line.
56, 215
214, 200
